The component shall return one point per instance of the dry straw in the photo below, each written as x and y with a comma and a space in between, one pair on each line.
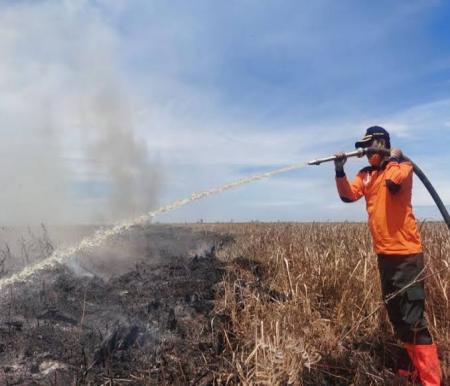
305, 305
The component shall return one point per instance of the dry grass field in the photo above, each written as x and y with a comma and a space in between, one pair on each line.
214, 304
304, 305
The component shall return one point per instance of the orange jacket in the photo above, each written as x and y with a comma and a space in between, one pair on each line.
388, 194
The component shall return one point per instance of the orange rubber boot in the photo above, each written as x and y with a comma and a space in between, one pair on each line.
407, 375
426, 361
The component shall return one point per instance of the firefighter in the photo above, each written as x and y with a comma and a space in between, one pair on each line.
387, 188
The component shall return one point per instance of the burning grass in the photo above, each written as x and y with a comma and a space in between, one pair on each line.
304, 305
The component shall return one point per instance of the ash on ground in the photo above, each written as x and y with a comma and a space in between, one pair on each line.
139, 310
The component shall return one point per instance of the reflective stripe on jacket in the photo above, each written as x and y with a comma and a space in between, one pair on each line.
388, 194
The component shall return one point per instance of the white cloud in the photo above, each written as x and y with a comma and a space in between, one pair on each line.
422, 121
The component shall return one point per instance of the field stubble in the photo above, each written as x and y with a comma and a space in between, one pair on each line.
305, 307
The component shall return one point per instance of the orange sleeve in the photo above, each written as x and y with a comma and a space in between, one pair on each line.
396, 174
349, 192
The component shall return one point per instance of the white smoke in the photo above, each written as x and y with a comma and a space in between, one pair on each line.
69, 150
69, 256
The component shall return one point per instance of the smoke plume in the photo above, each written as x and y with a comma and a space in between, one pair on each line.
69, 151
119, 155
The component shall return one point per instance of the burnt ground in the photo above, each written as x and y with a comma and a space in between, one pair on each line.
136, 312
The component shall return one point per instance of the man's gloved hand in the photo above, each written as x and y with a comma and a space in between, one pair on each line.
396, 153
340, 161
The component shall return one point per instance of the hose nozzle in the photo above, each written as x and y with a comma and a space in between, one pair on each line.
360, 152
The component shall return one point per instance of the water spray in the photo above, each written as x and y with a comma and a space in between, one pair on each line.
67, 255
419, 173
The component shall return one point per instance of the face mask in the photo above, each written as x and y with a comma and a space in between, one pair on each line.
375, 160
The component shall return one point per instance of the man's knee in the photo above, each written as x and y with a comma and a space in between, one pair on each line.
408, 334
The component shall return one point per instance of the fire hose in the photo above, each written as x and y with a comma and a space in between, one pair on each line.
419, 173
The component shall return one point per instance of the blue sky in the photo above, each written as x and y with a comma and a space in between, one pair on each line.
216, 91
